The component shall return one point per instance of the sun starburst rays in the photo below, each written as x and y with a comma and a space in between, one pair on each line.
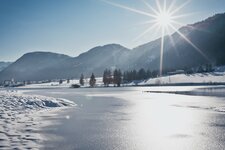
163, 17
191, 43
130, 9
146, 31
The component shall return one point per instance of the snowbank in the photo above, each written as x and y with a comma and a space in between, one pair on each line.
20, 118
215, 77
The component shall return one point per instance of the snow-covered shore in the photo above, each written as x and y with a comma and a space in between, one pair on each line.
20, 118
210, 78
197, 78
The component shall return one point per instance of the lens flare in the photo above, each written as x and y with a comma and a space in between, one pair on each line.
164, 17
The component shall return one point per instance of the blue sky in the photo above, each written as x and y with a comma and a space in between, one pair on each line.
74, 26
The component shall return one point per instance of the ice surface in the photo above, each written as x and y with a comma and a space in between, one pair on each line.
20, 118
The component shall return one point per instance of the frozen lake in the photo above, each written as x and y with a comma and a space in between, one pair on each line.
129, 118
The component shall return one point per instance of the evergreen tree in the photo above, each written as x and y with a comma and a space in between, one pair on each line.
82, 80
155, 73
200, 69
125, 77
68, 80
148, 74
117, 77
128, 76
60, 81
92, 80
107, 77
133, 75
209, 68
141, 74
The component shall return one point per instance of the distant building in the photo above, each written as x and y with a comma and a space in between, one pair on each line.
12, 83
9, 82
176, 72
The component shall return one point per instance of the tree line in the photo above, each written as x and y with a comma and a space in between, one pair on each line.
116, 77
112, 78
140, 74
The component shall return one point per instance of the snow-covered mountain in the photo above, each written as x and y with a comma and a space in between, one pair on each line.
46, 65
4, 65
208, 36
36, 66
101, 57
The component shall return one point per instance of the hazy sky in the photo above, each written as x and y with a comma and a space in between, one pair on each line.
74, 26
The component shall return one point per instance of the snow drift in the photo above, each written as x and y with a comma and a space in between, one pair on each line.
20, 118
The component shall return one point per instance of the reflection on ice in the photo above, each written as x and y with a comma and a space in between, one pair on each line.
156, 123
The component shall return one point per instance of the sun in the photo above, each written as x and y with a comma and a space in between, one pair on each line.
164, 19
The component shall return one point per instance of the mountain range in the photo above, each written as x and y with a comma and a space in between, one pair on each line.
204, 44
4, 65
